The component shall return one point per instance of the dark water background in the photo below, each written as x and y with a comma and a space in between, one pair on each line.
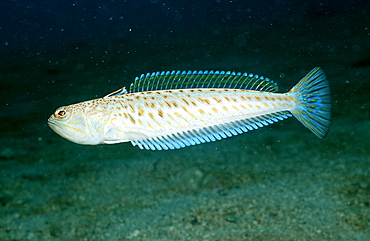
277, 183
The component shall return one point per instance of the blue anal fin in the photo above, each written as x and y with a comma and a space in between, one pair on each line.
209, 134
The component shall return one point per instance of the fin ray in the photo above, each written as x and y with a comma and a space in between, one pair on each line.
313, 103
209, 134
121, 91
201, 79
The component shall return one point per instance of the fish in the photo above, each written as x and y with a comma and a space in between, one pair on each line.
175, 109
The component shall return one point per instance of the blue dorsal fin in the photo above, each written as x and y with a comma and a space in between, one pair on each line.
201, 79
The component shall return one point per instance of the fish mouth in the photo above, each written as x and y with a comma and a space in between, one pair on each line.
51, 118
60, 128
55, 126
66, 131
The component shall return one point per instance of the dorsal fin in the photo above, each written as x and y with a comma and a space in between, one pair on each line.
121, 91
201, 79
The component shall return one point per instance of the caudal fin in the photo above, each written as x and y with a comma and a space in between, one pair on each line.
313, 104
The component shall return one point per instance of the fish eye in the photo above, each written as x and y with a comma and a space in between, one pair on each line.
60, 114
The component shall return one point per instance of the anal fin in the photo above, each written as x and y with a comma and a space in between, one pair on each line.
209, 134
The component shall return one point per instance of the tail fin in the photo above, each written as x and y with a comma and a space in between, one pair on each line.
313, 104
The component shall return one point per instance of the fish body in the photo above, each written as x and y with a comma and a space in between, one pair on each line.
171, 110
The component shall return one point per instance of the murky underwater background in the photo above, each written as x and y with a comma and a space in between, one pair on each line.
276, 183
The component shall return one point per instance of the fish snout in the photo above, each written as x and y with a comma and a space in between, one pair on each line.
51, 118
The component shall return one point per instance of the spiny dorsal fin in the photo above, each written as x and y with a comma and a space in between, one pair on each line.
121, 91
201, 79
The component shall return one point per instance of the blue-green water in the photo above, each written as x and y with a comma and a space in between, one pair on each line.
276, 183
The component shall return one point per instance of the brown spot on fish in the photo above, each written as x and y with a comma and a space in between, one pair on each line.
122, 105
204, 100
186, 110
132, 108
243, 106
233, 99
215, 109
170, 116
227, 98
217, 99
175, 104
193, 103
265, 104
131, 118
201, 111
287, 98
177, 114
152, 105
141, 111
258, 107
236, 108
168, 104
225, 108
184, 100
258, 98
160, 113
151, 115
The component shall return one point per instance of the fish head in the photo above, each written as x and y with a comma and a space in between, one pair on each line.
70, 122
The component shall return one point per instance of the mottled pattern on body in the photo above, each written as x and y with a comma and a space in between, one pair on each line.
175, 118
